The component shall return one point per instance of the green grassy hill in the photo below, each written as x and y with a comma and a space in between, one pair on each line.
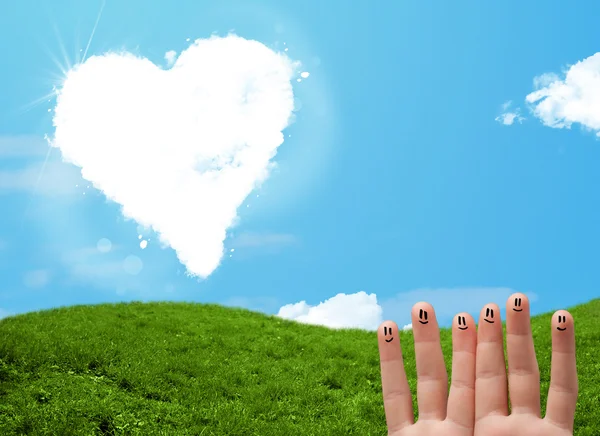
193, 369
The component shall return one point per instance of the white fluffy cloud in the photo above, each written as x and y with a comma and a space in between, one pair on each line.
359, 310
559, 103
508, 117
178, 149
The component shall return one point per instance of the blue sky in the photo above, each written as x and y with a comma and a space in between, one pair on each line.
400, 175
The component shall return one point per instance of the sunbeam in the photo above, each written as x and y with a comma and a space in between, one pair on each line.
93, 31
37, 184
38, 101
56, 78
67, 62
63, 68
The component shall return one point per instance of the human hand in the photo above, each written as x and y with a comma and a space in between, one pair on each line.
491, 394
439, 413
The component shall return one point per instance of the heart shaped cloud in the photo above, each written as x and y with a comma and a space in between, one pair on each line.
178, 149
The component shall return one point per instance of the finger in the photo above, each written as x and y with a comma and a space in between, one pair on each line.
523, 370
397, 400
432, 378
461, 401
562, 395
491, 396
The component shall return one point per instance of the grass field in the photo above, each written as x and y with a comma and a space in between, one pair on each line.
193, 369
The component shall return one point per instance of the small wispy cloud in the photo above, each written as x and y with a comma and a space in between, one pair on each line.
5, 313
447, 302
248, 239
29, 166
246, 245
23, 146
36, 279
508, 117
51, 179
258, 304
574, 99
103, 269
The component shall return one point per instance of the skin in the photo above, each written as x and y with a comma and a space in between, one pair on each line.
477, 403
440, 413
523, 377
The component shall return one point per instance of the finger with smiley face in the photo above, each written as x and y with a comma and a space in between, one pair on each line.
462, 387
397, 399
523, 370
491, 394
562, 395
432, 378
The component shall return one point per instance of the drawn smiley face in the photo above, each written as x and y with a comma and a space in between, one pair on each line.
561, 320
489, 313
423, 316
518, 303
387, 331
462, 323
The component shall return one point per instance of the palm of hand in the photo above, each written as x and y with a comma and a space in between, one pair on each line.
424, 427
518, 425
513, 425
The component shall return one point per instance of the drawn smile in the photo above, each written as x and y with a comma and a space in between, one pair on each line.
388, 331
463, 328
489, 312
423, 316
518, 302
561, 320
